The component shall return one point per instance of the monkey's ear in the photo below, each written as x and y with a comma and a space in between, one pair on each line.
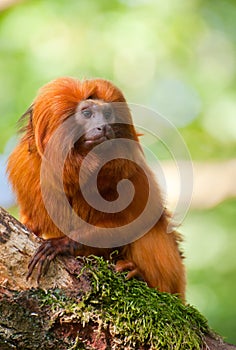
44, 125
26, 126
41, 134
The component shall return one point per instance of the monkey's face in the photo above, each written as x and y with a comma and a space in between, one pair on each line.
95, 119
99, 121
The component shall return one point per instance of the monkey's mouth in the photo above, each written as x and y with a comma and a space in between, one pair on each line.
88, 143
94, 137
98, 135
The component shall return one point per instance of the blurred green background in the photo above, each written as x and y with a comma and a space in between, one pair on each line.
175, 56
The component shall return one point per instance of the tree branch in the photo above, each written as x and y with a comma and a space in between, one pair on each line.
55, 316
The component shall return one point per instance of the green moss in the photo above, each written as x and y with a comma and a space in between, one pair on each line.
135, 314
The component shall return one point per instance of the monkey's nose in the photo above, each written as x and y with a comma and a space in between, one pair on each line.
106, 130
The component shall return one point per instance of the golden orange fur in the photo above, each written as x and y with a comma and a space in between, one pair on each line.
155, 256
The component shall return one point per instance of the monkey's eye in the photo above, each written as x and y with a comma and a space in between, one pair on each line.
107, 113
87, 113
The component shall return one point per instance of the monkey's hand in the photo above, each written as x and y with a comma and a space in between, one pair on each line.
48, 250
124, 265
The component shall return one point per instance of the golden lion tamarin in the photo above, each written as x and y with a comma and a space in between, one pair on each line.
99, 114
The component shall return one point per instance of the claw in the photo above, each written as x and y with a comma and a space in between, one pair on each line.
124, 265
47, 251
133, 273
39, 258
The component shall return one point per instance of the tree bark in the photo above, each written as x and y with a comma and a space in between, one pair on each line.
24, 323
18, 245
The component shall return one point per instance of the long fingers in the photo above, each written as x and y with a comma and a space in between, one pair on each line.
43, 253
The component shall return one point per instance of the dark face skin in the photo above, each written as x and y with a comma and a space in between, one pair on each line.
95, 117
